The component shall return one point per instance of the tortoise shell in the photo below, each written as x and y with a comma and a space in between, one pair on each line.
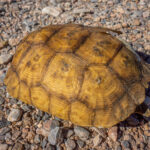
77, 73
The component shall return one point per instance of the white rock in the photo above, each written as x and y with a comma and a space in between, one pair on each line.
50, 10
81, 132
2, 76
14, 115
97, 140
5, 58
55, 135
113, 133
70, 144
80, 10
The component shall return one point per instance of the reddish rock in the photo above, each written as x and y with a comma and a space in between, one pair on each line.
97, 140
113, 133
42, 131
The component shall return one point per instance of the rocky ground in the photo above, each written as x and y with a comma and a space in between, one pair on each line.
25, 127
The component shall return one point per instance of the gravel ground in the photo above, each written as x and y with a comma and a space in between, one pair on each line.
25, 127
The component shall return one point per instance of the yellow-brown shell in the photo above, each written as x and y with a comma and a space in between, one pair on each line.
77, 73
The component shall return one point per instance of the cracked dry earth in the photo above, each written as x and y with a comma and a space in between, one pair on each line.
23, 127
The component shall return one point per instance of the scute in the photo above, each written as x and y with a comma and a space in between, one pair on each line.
126, 65
38, 93
12, 80
65, 79
59, 107
100, 87
98, 48
83, 117
68, 39
31, 67
77, 73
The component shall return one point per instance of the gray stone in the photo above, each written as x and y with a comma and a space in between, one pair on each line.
16, 134
54, 124
81, 132
14, 115
97, 140
126, 144
46, 116
3, 146
70, 144
1, 100
26, 107
44, 142
18, 146
49, 147
54, 2
50, 10
119, 147
93, 1
7, 136
27, 146
146, 14
2, 137
13, 101
5, 58
58, 147
37, 139
70, 133
136, 14
80, 143
55, 135
4, 130
2, 76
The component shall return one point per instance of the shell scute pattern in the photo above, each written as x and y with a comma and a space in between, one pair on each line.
71, 72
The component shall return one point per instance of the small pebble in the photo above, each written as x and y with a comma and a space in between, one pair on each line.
97, 140
26, 108
5, 58
4, 130
119, 147
94, 1
126, 144
44, 142
14, 115
50, 10
55, 135
1, 100
146, 14
30, 136
70, 133
113, 133
80, 143
42, 131
54, 124
3, 43
81, 132
18, 146
16, 134
70, 144
46, 116
37, 139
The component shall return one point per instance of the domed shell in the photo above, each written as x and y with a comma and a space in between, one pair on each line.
77, 73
